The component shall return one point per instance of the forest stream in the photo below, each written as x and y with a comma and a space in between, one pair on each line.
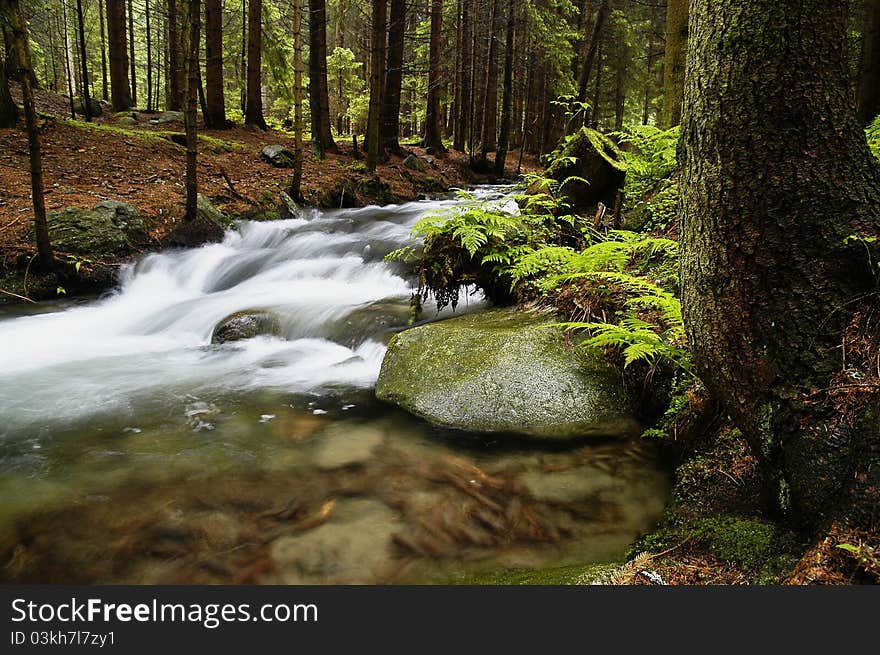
132, 450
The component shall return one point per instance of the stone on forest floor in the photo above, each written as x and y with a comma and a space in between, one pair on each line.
108, 228
414, 163
279, 156
209, 226
168, 117
500, 371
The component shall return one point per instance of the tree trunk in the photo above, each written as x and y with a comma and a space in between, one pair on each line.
67, 73
243, 61
464, 80
253, 113
869, 87
296, 181
375, 142
215, 116
394, 77
190, 116
17, 34
433, 135
173, 86
149, 57
319, 101
119, 87
592, 49
8, 110
86, 96
507, 98
131, 58
490, 97
676, 59
105, 94
776, 179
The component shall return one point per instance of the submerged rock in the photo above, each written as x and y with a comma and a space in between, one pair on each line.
590, 155
354, 547
279, 156
246, 325
347, 444
500, 371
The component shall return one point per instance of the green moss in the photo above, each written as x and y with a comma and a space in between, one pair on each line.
564, 575
153, 137
747, 542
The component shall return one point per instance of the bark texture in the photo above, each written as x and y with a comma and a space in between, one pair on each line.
253, 113
215, 116
8, 110
190, 116
394, 77
18, 40
120, 90
869, 87
776, 177
319, 100
433, 134
377, 64
675, 62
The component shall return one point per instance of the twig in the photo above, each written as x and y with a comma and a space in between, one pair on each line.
15, 295
232, 188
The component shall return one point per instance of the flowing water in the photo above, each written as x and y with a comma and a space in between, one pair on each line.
133, 450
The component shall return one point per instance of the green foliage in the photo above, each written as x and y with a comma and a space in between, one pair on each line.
651, 190
873, 133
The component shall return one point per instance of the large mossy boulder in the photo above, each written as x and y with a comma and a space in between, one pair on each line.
500, 371
246, 325
590, 155
108, 228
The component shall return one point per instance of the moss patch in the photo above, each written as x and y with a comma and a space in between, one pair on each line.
564, 575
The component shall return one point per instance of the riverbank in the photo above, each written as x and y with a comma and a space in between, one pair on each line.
134, 160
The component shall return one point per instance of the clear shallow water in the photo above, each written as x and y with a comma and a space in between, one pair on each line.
132, 450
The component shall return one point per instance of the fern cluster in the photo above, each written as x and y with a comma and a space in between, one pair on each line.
651, 187
873, 133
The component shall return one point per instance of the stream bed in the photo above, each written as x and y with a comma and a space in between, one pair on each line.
134, 451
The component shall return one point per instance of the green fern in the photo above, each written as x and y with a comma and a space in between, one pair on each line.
873, 133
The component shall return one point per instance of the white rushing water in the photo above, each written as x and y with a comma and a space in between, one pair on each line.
154, 331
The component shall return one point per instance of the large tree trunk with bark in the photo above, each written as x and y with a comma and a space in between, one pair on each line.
394, 77
8, 110
190, 116
676, 59
780, 204
116, 32
375, 145
869, 87
215, 116
17, 36
433, 134
131, 59
319, 100
253, 113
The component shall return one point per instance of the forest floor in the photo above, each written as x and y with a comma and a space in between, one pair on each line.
85, 163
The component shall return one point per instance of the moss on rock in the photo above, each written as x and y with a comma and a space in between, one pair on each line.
502, 371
